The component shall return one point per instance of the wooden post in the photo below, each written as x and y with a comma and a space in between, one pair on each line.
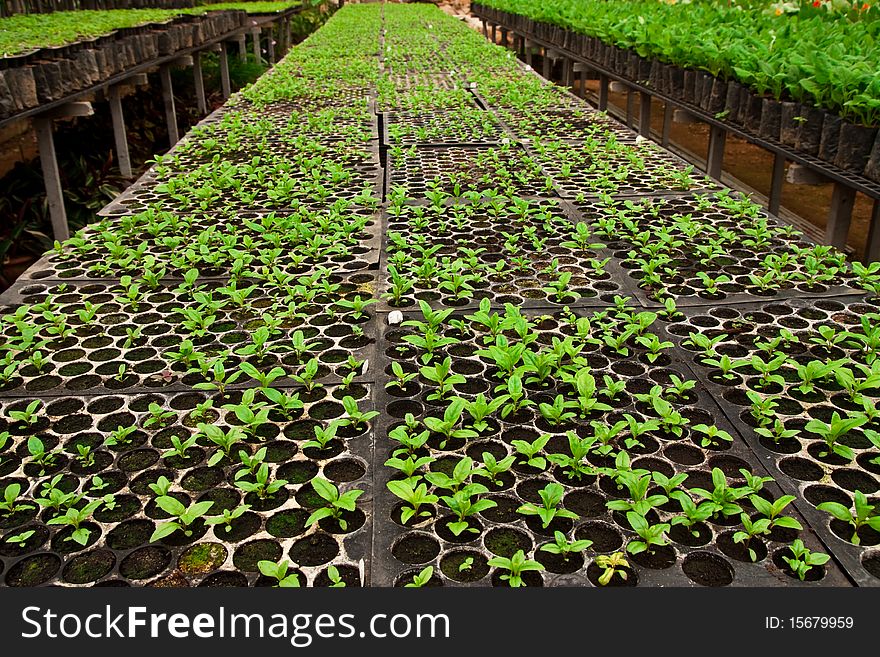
225, 85
199, 82
840, 215
168, 101
282, 44
580, 68
485, 28
776, 181
270, 44
872, 249
715, 156
119, 135
255, 35
49, 162
644, 114
603, 92
504, 37
547, 63
528, 49
242, 47
52, 178
668, 111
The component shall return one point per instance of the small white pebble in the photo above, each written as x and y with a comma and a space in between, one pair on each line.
640, 139
366, 366
395, 317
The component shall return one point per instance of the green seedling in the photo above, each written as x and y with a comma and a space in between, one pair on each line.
551, 498
184, 516
611, 565
515, 567
862, 514
337, 503
421, 578
803, 559
278, 572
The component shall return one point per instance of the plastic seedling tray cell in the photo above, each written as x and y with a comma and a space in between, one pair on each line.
567, 124
278, 183
317, 120
118, 548
453, 127
796, 461
710, 240
477, 235
94, 262
604, 166
403, 549
479, 169
126, 348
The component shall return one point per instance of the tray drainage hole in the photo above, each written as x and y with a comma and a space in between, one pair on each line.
401, 408
506, 541
871, 563
415, 548
464, 565
801, 469
707, 569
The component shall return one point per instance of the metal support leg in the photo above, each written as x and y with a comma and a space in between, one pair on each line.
840, 215
603, 92
52, 178
630, 106
119, 132
168, 101
776, 181
715, 157
225, 84
199, 82
644, 114
668, 111
872, 249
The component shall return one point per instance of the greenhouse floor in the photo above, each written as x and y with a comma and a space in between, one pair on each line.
403, 313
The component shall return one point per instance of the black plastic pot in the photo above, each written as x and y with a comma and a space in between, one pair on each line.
810, 131
676, 82
717, 96
689, 95
854, 147
872, 170
830, 137
732, 100
788, 125
771, 115
754, 110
